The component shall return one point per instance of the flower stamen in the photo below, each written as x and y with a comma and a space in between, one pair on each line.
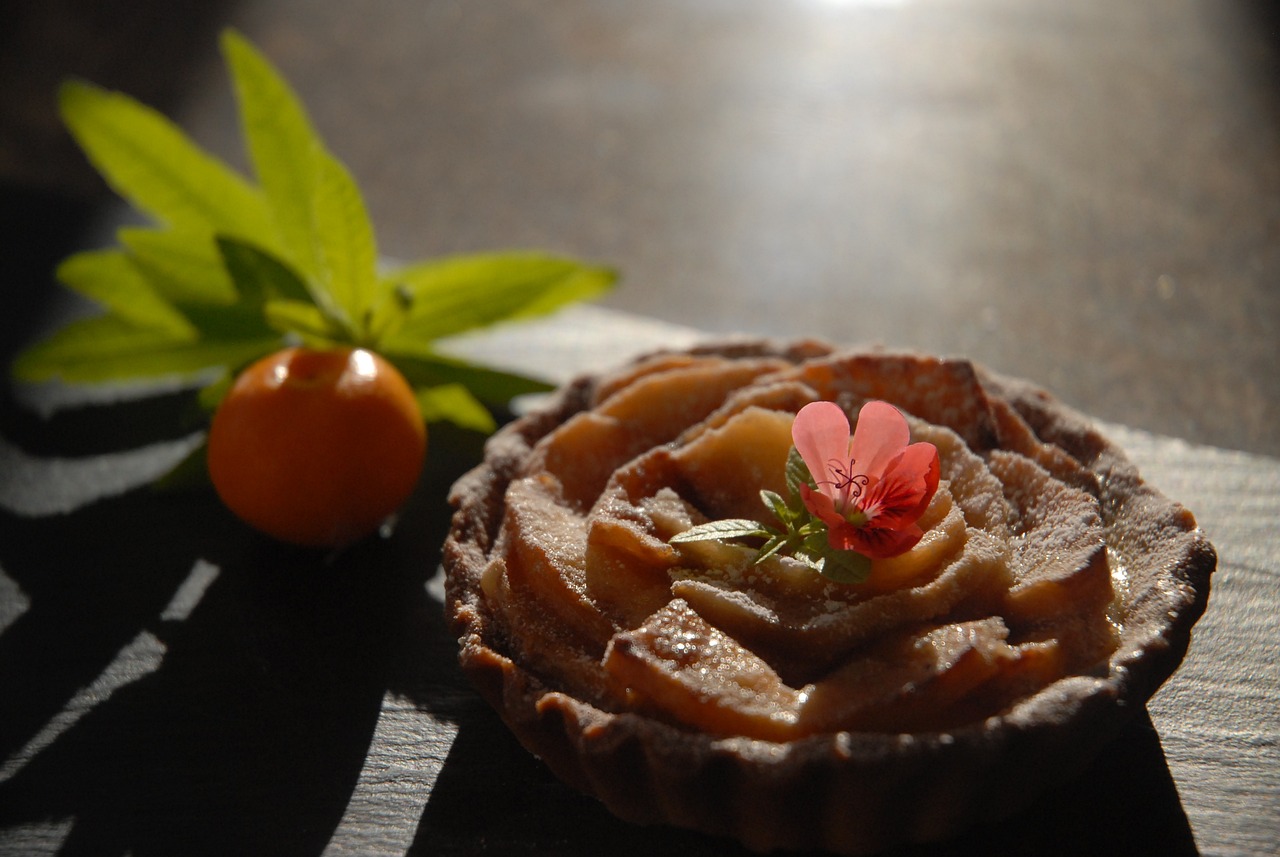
847, 482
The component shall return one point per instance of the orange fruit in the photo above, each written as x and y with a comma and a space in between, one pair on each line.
317, 447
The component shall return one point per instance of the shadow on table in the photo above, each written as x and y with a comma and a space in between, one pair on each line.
493, 797
176, 684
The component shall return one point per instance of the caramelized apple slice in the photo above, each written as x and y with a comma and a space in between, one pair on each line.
546, 546
788, 396
661, 405
727, 467
655, 364
922, 681
539, 640
679, 667
653, 409
944, 530
815, 632
583, 475
623, 514
978, 493
1060, 560
1017, 436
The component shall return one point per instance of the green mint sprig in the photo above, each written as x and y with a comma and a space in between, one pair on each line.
232, 269
800, 535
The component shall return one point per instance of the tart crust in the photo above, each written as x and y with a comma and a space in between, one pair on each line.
848, 789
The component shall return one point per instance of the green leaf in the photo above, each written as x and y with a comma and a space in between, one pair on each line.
109, 347
317, 205
729, 528
257, 275
815, 539
797, 472
845, 566
304, 320
455, 404
423, 368
390, 311
110, 278
232, 270
183, 266
282, 144
349, 274
771, 547
231, 323
774, 502
149, 161
458, 294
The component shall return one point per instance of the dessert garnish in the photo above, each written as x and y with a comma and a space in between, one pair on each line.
871, 489
232, 269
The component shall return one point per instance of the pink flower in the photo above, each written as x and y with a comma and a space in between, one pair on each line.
871, 489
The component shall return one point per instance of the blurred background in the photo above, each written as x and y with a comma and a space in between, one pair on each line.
1086, 194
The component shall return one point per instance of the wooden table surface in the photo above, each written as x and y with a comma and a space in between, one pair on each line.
172, 684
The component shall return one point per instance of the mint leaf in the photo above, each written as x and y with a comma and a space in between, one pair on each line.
771, 547
281, 143
111, 279
109, 347
729, 528
426, 369
149, 161
257, 275
797, 473
454, 295
844, 566
348, 286
454, 403
183, 266
778, 506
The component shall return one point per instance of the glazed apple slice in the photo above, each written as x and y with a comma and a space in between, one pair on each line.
546, 545
679, 667
805, 637
928, 680
1060, 557
654, 409
726, 467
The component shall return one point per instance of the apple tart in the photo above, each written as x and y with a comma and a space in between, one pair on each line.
702, 684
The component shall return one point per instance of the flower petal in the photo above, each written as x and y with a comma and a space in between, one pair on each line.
821, 433
907, 487
880, 434
822, 507
884, 542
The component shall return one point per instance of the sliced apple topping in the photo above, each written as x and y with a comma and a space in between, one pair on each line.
546, 543
727, 467
805, 635
928, 680
661, 405
583, 475
1060, 556
681, 666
